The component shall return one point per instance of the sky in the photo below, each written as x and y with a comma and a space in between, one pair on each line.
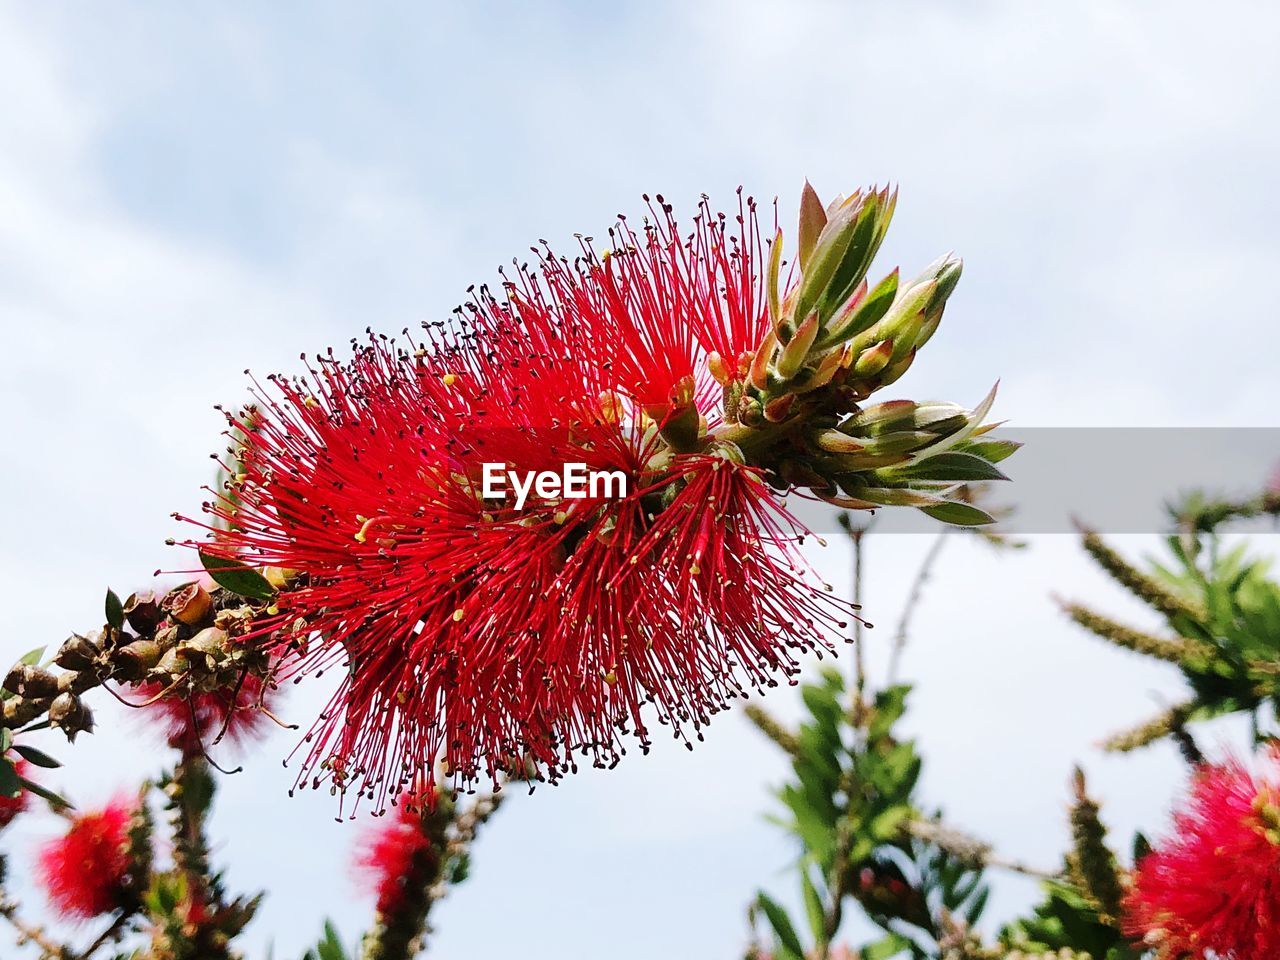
190, 190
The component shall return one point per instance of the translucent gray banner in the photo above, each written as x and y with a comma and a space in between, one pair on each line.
1114, 480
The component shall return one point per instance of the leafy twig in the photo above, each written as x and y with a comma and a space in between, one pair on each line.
913, 601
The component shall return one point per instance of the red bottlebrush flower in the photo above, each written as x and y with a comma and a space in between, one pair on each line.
10, 807
482, 629
396, 858
1213, 887
192, 723
655, 307
86, 871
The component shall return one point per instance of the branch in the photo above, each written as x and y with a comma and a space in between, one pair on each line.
192, 651
1137, 582
913, 601
33, 933
772, 728
1175, 650
969, 850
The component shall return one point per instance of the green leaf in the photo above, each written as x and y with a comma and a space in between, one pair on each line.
32, 658
1141, 847
868, 311
960, 514
812, 219
993, 450
813, 904
56, 801
954, 467
114, 610
973, 912
782, 928
890, 705
867, 234
37, 757
239, 578
898, 497
330, 948
884, 825
10, 782
890, 946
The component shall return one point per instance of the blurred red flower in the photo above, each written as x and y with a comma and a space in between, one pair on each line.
396, 857
1213, 886
192, 723
86, 871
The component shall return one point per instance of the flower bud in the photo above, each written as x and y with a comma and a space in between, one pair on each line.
31, 682
76, 653
134, 660
879, 417
189, 605
69, 713
945, 271
750, 411
776, 410
903, 441
170, 665
209, 642
843, 251
874, 359
716, 365
792, 357
834, 441
142, 612
861, 310
895, 370
759, 373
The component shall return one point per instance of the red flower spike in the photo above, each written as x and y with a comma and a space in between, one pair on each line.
193, 723
1213, 887
395, 859
86, 870
483, 635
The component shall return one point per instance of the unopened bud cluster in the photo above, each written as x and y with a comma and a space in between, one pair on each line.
184, 640
794, 404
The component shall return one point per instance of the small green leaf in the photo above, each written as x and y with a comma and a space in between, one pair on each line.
813, 904
782, 928
38, 757
239, 578
32, 658
6, 739
993, 450
330, 948
10, 782
884, 825
1141, 847
56, 801
812, 219
900, 497
890, 946
960, 514
953, 467
114, 609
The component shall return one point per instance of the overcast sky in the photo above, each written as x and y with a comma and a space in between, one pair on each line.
189, 190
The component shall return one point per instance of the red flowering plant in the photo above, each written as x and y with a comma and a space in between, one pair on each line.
391, 514
530, 533
1214, 884
479, 626
90, 870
